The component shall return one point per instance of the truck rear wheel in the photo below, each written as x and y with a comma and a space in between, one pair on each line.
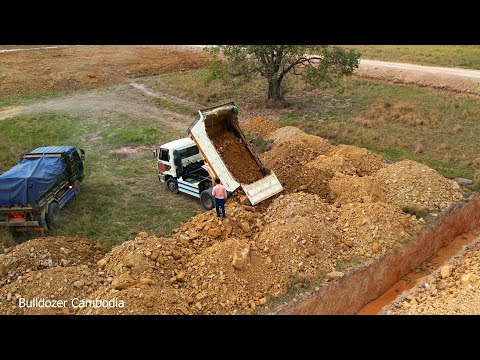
53, 216
172, 185
207, 200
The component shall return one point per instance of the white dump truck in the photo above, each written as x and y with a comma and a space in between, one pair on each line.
216, 148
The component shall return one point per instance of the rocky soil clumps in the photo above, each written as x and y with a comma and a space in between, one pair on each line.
45, 253
411, 184
453, 289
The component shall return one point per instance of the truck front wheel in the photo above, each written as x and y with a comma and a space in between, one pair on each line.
207, 200
172, 186
53, 216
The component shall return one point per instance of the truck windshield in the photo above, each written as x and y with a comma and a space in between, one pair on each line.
185, 153
164, 155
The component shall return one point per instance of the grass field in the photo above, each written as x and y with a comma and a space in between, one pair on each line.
121, 194
396, 121
465, 56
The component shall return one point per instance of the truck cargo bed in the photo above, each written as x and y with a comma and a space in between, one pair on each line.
229, 155
29, 180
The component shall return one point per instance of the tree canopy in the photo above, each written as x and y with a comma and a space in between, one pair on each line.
316, 64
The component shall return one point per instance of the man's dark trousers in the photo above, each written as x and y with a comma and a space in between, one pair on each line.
220, 203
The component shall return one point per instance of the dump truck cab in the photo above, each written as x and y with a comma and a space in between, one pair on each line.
181, 166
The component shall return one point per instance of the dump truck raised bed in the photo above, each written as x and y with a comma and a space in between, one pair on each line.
33, 191
216, 148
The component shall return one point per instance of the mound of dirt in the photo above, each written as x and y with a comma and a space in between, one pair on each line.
454, 289
316, 143
301, 246
205, 229
259, 125
348, 189
47, 252
298, 204
348, 160
286, 133
229, 278
411, 184
374, 228
57, 283
236, 156
288, 162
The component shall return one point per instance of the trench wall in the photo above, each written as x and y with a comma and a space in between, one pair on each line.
361, 285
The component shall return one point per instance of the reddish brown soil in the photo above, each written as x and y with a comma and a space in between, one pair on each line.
236, 156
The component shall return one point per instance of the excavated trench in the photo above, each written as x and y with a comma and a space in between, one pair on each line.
368, 288
411, 279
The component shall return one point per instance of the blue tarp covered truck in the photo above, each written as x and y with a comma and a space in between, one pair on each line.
33, 191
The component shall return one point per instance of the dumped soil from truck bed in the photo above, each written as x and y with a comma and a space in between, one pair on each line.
237, 158
347, 189
259, 126
348, 160
411, 184
288, 161
44, 253
286, 133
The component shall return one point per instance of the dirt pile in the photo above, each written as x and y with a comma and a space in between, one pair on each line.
236, 156
347, 189
153, 275
68, 284
372, 229
453, 289
44, 253
259, 125
348, 160
205, 229
411, 184
288, 162
286, 133
300, 235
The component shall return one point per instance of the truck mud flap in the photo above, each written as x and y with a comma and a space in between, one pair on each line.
263, 188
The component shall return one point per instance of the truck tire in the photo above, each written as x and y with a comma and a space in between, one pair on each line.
53, 216
207, 200
76, 187
172, 185
41, 221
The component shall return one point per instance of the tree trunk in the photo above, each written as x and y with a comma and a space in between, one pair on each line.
274, 90
275, 98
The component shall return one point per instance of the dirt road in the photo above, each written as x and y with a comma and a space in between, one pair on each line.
452, 79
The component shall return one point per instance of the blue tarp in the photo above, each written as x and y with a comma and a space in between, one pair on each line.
27, 181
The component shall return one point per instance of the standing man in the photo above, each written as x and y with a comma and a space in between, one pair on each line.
219, 192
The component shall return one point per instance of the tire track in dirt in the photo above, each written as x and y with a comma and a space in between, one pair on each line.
160, 95
103, 104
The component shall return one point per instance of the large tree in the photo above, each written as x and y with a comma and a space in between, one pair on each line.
317, 64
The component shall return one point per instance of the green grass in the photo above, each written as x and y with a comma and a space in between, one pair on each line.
399, 122
465, 56
27, 98
120, 195
175, 107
